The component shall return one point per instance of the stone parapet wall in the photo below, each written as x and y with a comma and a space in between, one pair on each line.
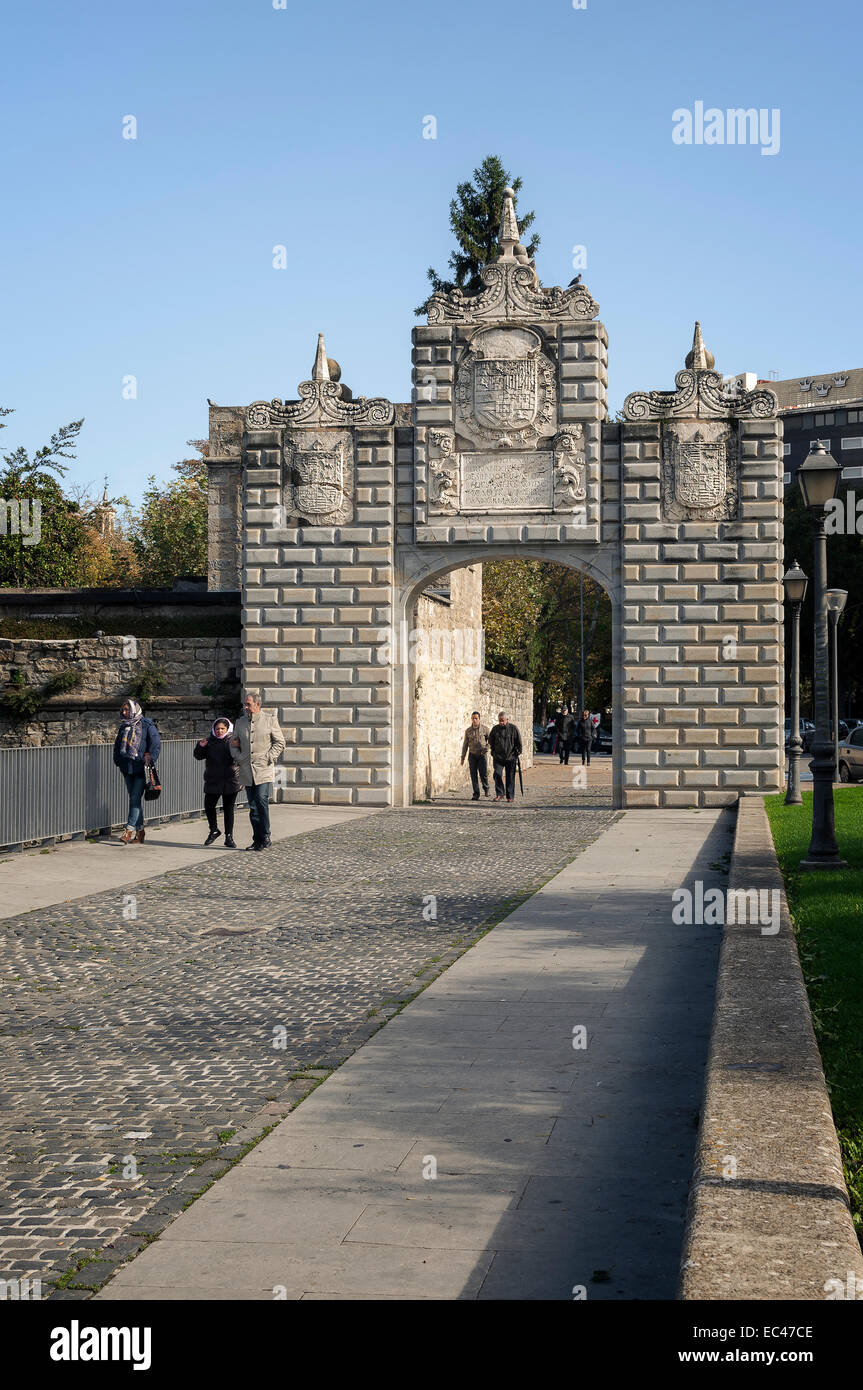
769, 1214
185, 602
106, 666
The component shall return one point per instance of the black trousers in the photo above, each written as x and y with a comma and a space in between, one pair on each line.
211, 801
478, 765
507, 770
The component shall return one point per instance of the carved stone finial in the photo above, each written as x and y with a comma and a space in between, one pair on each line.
509, 237
699, 359
321, 369
324, 400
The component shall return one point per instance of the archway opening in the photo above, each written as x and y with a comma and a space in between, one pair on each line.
524, 634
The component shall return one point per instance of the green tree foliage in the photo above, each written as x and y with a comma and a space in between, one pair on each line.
844, 571
474, 216
531, 619
56, 523
169, 533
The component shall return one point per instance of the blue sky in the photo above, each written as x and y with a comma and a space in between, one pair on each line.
303, 127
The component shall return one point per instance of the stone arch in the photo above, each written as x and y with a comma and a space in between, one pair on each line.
435, 564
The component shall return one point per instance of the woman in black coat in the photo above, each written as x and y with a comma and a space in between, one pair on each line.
221, 779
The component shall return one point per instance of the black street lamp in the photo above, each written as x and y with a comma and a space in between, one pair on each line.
836, 600
819, 478
794, 583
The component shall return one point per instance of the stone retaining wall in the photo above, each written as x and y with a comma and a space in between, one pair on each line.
768, 1212
106, 667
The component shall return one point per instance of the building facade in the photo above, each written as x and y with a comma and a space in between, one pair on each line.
828, 408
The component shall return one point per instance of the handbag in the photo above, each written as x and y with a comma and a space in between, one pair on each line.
153, 787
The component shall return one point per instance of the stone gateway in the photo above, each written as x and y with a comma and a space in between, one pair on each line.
333, 515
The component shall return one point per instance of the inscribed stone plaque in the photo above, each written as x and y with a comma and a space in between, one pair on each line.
507, 482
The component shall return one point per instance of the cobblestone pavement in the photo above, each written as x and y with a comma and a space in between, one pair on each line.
143, 1032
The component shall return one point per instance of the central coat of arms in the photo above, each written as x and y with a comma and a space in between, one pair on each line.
504, 392
505, 389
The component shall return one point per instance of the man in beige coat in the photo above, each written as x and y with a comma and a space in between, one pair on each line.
256, 747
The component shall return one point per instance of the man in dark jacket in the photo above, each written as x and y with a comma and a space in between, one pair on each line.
505, 744
584, 735
558, 733
567, 734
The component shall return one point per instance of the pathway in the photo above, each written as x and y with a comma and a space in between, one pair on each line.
473, 1148
148, 1029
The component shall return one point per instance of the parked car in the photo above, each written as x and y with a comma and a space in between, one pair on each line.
851, 756
807, 729
807, 732
602, 740
543, 738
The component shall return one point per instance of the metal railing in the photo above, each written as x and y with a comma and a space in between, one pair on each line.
61, 790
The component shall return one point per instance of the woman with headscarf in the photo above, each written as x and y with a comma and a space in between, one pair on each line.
221, 778
136, 746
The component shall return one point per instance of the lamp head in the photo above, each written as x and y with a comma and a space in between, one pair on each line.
836, 600
794, 582
818, 477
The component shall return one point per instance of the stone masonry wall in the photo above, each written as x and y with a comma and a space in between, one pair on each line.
316, 601
224, 523
702, 693
106, 666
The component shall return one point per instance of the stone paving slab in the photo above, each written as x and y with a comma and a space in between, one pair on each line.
481, 1154
42, 877
137, 1053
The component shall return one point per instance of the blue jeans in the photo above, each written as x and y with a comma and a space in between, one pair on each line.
135, 783
259, 811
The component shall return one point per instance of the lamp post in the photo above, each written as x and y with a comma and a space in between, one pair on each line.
795, 584
836, 600
819, 478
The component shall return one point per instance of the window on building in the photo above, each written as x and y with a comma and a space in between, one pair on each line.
852, 472
786, 448
840, 416
814, 442
786, 478
852, 441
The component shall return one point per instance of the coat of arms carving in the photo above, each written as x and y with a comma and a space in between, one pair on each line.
505, 390
699, 476
316, 489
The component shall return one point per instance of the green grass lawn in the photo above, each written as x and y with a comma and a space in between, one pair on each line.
827, 909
